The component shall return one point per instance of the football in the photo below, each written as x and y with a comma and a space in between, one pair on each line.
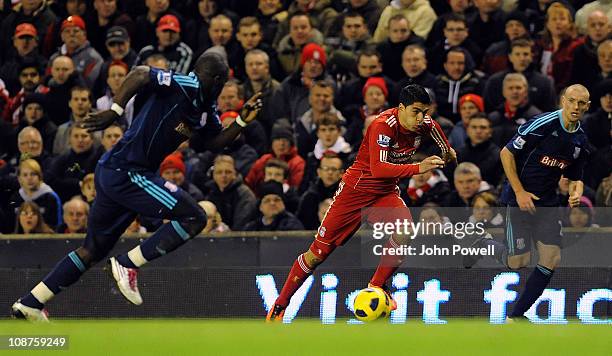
371, 304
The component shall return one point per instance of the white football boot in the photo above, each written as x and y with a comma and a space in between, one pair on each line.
20, 311
127, 281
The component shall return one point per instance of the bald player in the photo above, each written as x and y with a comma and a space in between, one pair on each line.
545, 148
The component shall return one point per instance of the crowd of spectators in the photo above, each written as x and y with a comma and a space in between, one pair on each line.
325, 69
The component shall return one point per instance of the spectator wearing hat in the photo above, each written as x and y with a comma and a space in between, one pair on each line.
25, 48
291, 100
400, 36
515, 111
33, 114
283, 147
178, 53
118, 47
36, 12
273, 215
76, 46
585, 67
173, 170
290, 47
456, 34
105, 15
419, 14
457, 80
234, 200
597, 123
557, 44
375, 94
496, 56
328, 175
321, 100
469, 104
541, 88
414, 64
259, 79
31, 82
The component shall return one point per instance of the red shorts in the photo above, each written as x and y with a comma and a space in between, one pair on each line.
347, 211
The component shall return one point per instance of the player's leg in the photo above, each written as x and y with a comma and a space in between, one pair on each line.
549, 252
389, 208
341, 220
107, 220
165, 200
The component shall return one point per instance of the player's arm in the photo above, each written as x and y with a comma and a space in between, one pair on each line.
447, 153
248, 113
136, 79
523, 197
379, 137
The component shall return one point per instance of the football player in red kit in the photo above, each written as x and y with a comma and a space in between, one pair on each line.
371, 182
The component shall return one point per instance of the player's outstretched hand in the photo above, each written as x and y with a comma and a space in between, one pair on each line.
525, 201
251, 108
99, 121
429, 163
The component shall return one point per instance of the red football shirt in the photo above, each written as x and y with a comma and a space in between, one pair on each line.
386, 151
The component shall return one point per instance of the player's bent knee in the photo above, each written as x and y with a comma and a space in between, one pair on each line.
550, 261
195, 223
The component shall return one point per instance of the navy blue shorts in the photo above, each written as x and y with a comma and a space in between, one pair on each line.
522, 228
121, 195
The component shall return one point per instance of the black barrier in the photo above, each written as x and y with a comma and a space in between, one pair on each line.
240, 277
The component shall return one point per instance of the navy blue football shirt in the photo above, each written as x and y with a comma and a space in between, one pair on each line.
544, 150
167, 119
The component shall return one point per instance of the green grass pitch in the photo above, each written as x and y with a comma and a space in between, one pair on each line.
310, 337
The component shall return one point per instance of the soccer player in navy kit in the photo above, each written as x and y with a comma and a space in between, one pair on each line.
180, 107
546, 147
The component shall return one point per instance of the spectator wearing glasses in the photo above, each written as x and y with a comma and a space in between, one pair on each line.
30, 220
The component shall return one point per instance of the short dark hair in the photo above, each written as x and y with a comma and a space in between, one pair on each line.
369, 52
453, 17
329, 119
299, 13
479, 115
352, 14
82, 88
414, 93
278, 163
520, 42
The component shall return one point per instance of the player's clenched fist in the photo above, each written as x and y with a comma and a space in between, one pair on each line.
429, 163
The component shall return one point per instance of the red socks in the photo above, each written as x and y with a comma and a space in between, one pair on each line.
298, 274
387, 266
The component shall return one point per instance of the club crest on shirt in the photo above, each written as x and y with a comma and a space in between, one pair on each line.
518, 143
384, 141
417, 142
576, 152
164, 78
183, 129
